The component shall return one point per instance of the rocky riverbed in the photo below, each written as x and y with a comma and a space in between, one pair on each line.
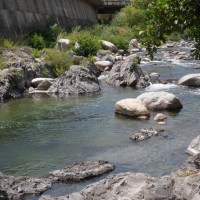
182, 184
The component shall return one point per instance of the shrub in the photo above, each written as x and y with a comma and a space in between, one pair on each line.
60, 61
37, 41
7, 43
36, 53
2, 63
87, 45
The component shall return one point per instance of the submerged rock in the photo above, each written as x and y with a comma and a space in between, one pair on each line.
132, 108
77, 80
145, 134
160, 101
80, 171
190, 80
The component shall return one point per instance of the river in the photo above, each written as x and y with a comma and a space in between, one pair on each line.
41, 133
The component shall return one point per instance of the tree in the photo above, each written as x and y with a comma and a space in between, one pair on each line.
166, 16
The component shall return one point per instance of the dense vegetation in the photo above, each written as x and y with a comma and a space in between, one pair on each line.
150, 21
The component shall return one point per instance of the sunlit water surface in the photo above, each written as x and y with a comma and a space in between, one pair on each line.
39, 133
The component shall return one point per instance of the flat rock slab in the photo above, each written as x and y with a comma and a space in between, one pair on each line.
80, 171
15, 188
124, 186
36, 81
192, 80
160, 101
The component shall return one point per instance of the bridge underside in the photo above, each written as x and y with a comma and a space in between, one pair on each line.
109, 10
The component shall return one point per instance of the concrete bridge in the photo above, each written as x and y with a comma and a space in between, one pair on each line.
17, 16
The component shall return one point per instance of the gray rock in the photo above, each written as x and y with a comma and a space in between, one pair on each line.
194, 147
15, 188
44, 85
132, 108
80, 171
77, 80
160, 101
108, 46
190, 80
124, 73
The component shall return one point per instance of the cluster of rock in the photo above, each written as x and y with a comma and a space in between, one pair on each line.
22, 68
140, 106
14, 188
182, 184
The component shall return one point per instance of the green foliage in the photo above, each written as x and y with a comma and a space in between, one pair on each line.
2, 63
166, 16
174, 36
132, 15
86, 45
36, 53
7, 43
37, 41
59, 60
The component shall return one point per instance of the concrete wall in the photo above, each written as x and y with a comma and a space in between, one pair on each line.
16, 16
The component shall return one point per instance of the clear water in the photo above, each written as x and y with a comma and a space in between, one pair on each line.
39, 133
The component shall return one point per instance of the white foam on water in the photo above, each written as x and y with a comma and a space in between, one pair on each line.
160, 87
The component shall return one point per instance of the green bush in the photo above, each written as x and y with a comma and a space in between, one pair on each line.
37, 41
36, 53
2, 63
6, 43
60, 61
87, 45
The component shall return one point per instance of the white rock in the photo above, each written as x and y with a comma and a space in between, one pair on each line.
63, 43
104, 64
108, 45
131, 107
160, 100
36, 81
190, 80
160, 117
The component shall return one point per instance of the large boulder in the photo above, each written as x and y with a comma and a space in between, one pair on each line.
124, 73
192, 80
132, 108
77, 80
108, 46
160, 101
80, 171
194, 147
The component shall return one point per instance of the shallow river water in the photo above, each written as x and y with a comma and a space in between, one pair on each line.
39, 133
